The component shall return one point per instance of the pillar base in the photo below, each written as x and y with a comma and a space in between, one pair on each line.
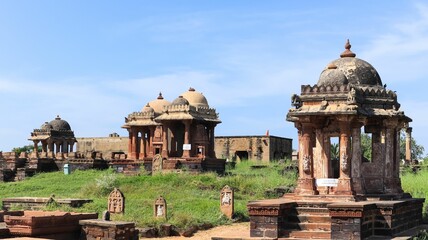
306, 186
344, 187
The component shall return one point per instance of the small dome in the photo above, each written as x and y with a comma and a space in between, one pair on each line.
180, 101
159, 103
46, 126
59, 124
147, 108
195, 98
332, 76
355, 70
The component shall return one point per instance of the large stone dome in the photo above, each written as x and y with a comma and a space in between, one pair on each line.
349, 69
195, 98
58, 124
159, 104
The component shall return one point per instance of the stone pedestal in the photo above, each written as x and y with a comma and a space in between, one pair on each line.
268, 217
108, 230
354, 220
56, 225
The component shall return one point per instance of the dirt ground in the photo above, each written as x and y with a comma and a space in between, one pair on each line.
233, 230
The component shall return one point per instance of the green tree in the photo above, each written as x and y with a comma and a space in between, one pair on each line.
26, 148
334, 151
417, 150
366, 146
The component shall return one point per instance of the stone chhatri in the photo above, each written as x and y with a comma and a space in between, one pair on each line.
181, 132
332, 191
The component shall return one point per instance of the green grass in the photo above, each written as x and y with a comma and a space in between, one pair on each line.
417, 185
191, 198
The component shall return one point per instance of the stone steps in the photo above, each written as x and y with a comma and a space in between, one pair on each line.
306, 234
302, 218
310, 221
309, 226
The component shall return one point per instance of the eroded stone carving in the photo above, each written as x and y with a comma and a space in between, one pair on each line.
344, 162
116, 201
306, 163
227, 201
296, 101
159, 208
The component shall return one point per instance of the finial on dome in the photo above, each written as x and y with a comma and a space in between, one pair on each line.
191, 89
147, 105
331, 66
57, 117
160, 96
347, 52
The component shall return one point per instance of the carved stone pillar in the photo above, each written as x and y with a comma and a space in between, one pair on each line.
152, 133
306, 181
344, 186
409, 145
57, 147
129, 143
143, 145
212, 142
133, 144
164, 141
391, 158
64, 147
186, 153
321, 161
72, 146
44, 146
356, 161
36, 148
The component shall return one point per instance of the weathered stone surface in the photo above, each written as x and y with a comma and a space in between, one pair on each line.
340, 194
41, 223
227, 201
264, 148
116, 201
108, 230
148, 232
160, 208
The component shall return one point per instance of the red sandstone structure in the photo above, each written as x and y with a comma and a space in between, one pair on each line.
364, 197
179, 134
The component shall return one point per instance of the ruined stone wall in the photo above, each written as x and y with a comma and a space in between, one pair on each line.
263, 148
103, 145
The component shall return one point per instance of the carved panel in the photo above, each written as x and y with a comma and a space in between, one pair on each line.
116, 201
227, 201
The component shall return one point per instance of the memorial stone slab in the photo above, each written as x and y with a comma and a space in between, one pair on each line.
159, 208
227, 201
116, 201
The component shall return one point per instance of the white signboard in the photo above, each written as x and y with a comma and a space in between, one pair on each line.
187, 146
326, 182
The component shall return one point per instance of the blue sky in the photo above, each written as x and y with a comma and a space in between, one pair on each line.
94, 62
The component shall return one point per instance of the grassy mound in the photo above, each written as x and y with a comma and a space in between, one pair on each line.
192, 199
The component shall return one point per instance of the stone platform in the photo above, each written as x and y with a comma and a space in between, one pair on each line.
288, 218
108, 230
51, 225
37, 203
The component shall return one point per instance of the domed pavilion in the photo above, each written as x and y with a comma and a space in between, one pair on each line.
346, 196
174, 134
56, 138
